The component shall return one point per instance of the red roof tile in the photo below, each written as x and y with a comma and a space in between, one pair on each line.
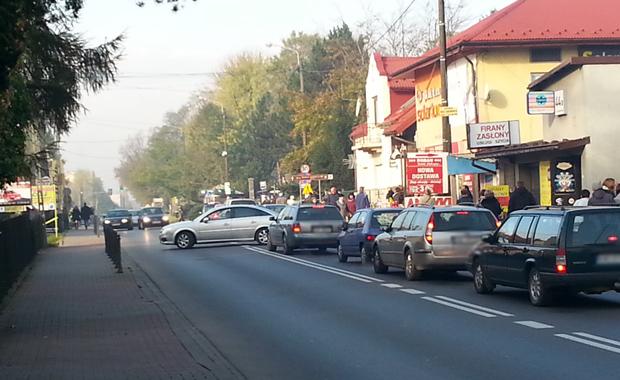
401, 84
401, 120
359, 131
387, 66
539, 21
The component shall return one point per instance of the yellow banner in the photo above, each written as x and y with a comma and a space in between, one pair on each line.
545, 183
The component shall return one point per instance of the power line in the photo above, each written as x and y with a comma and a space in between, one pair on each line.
394, 23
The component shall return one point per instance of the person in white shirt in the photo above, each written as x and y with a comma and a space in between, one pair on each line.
583, 201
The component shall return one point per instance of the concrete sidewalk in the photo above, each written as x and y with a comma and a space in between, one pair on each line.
73, 317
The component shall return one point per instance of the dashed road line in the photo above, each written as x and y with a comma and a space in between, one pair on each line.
459, 307
297, 259
392, 286
534, 324
412, 291
474, 306
599, 338
592, 343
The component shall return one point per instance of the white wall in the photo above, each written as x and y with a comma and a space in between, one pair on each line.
377, 85
591, 98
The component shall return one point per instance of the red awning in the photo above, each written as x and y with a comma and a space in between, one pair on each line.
359, 131
401, 120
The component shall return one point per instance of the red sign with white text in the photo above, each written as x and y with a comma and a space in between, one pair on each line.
427, 171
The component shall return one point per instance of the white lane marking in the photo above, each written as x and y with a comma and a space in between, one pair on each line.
589, 343
459, 307
412, 291
277, 256
392, 286
500, 313
534, 324
599, 338
261, 250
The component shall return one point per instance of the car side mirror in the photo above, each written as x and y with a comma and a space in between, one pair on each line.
387, 229
490, 239
272, 218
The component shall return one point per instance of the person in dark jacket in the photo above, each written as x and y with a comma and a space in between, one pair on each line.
86, 212
491, 203
466, 197
604, 196
520, 198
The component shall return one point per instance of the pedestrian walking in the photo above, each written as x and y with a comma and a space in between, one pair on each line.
466, 197
361, 199
583, 201
86, 212
491, 203
427, 198
399, 197
604, 196
520, 198
76, 216
342, 206
332, 197
351, 205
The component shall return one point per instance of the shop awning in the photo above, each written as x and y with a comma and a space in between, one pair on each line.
462, 165
532, 147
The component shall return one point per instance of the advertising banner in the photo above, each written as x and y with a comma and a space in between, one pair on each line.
45, 194
16, 194
502, 193
541, 102
493, 134
427, 171
439, 201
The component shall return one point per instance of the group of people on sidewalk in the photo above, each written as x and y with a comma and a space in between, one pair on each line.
349, 205
81, 215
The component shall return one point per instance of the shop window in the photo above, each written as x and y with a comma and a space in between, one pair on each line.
545, 54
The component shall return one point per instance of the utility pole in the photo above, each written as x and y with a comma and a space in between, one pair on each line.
443, 69
225, 152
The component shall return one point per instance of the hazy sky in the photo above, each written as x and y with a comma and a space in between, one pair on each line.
168, 56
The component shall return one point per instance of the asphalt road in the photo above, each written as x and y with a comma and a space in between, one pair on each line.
310, 317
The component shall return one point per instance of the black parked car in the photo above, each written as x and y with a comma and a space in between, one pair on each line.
119, 218
152, 216
550, 251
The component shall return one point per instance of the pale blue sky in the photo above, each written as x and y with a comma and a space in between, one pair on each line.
199, 38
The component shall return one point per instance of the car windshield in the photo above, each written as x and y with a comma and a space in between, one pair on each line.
383, 219
318, 213
152, 211
593, 228
464, 221
117, 213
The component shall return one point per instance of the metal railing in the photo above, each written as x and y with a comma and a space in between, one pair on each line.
21, 238
113, 247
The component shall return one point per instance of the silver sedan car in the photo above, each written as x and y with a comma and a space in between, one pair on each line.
221, 224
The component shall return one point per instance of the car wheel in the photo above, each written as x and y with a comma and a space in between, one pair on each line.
363, 255
262, 236
411, 272
377, 263
341, 256
286, 247
270, 247
539, 295
482, 284
185, 240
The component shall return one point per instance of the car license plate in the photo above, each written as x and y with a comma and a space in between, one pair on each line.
322, 229
156, 222
466, 240
608, 259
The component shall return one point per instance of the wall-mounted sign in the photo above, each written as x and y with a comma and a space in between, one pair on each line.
493, 134
448, 111
427, 171
540, 103
560, 103
16, 194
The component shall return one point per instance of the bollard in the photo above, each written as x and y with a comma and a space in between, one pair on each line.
113, 247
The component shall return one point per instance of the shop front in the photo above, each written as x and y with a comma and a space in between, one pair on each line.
551, 170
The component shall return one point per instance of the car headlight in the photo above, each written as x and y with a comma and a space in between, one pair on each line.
106, 222
146, 219
165, 218
124, 220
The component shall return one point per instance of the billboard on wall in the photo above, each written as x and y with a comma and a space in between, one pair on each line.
427, 171
541, 102
493, 134
16, 194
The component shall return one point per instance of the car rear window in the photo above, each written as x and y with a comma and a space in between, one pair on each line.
383, 218
152, 211
318, 213
593, 228
464, 221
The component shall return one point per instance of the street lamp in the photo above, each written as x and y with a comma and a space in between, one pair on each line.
301, 78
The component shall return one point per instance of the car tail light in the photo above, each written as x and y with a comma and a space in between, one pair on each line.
296, 228
462, 213
318, 206
370, 237
612, 239
560, 260
428, 235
